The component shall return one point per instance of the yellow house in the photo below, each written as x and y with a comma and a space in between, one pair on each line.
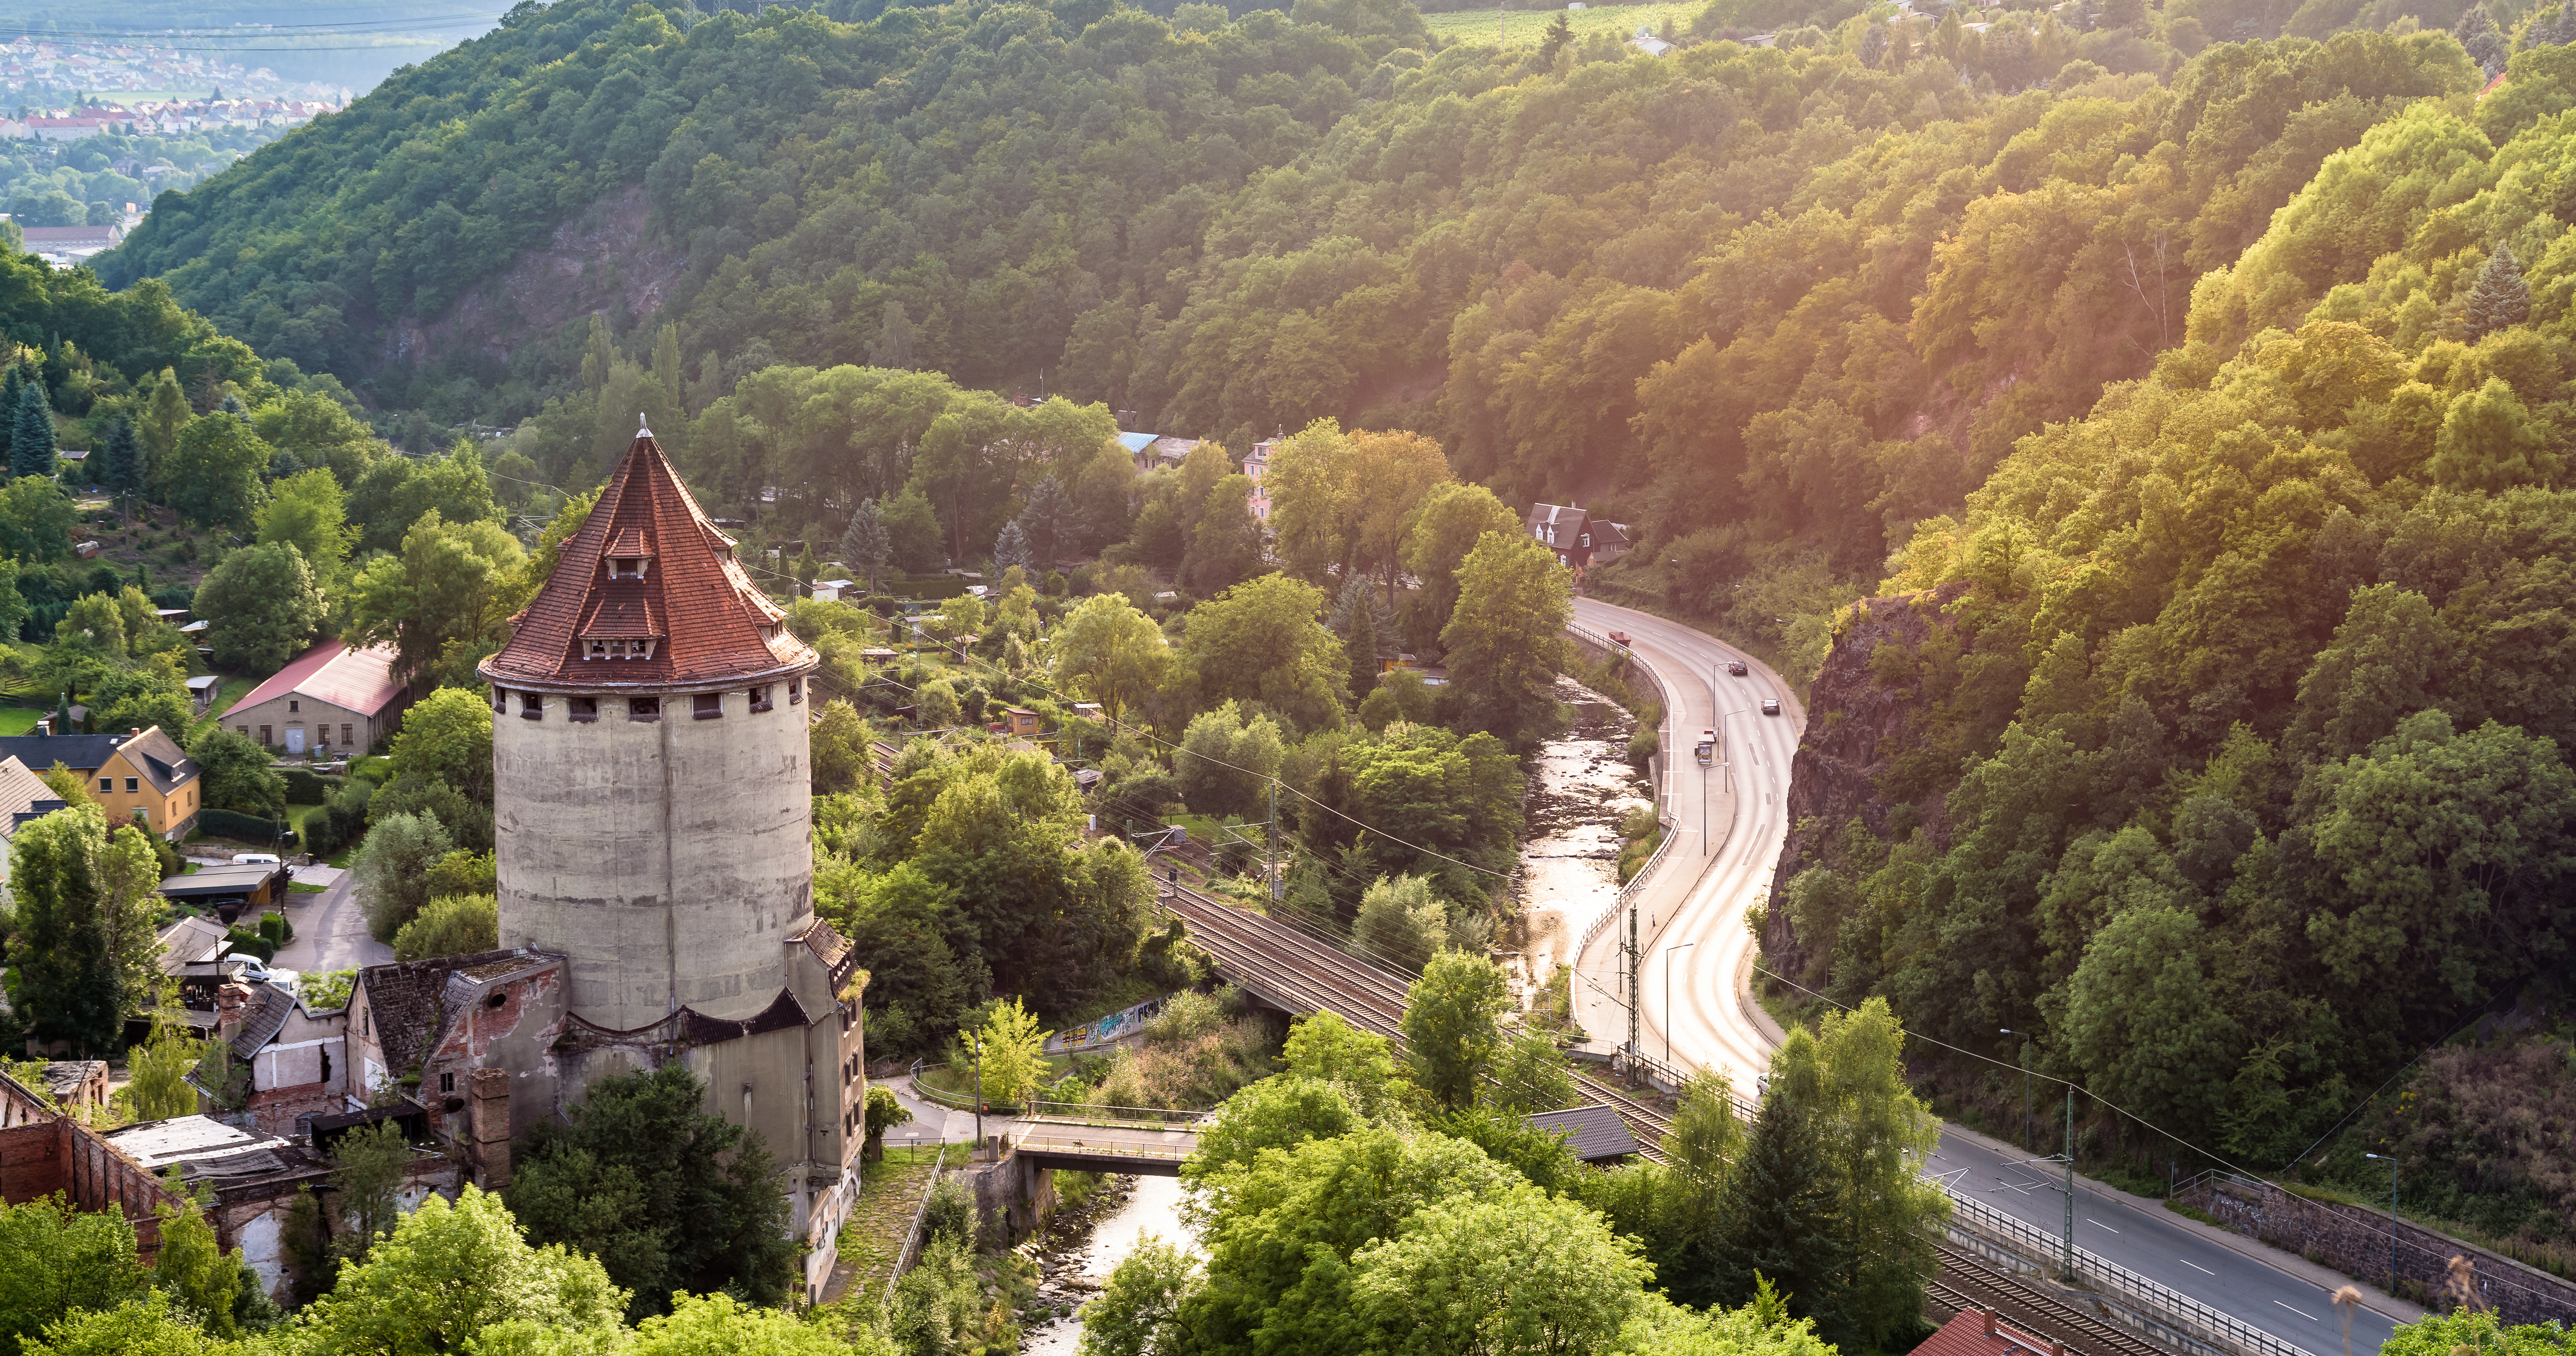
141, 776
149, 781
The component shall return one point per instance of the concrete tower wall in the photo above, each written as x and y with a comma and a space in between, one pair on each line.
670, 859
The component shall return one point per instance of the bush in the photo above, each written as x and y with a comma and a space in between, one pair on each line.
341, 821
451, 925
951, 1212
307, 787
242, 827
1643, 745
251, 944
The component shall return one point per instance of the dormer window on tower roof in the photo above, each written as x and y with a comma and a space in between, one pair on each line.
627, 554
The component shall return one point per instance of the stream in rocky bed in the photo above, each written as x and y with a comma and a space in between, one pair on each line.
1580, 788
1083, 1245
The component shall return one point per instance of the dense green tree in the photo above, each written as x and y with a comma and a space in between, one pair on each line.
69, 985
309, 511
262, 605
56, 1261
450, 925
212, 475
1265, 641
394, 866
669, 1196
1451, 1030
447, 1274
36, 519
1225, 762
442, 601
1506, 641
865, 545
1110, 652
234, 773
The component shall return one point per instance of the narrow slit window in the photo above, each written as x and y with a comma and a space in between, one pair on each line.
583, 709
760, 699
500, 700
707, 705
532, 706
795, 691
643, 708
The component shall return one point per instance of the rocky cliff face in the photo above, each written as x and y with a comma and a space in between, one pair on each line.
1855, 728
606, 259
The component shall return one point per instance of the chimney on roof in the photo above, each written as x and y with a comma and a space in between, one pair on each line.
1991, 1318
489, 1125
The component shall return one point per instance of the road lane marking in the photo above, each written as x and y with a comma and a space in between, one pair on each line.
2201, 1269
2309, 1317
2100, 1225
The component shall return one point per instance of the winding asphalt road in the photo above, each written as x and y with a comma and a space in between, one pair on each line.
1730, 820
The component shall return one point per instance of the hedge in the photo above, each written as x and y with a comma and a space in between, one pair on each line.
245, 828
304, 786
251, 944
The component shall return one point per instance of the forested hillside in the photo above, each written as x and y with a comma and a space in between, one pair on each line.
1776, 304
2233, 757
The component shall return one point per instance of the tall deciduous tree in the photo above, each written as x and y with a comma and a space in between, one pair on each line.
442, 601
309, 511
262, 605
1452, 519
212, 475
1265, 641
1114, 654
1452, 1024
69, 985
234, 773
1506, 641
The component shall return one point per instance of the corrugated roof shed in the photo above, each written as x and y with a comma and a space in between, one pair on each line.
1599, 1134
354, 680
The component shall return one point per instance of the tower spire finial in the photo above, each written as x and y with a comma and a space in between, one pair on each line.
640, 430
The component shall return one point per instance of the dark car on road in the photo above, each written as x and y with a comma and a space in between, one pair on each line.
1736, 667
1770, 706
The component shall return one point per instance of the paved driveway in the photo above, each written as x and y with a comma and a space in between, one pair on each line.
330, 931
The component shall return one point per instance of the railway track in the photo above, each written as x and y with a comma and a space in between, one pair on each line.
1319, 977
2030, 1307
1306, 972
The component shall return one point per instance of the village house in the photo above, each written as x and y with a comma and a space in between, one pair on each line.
1578, 539
142, 777
328, 698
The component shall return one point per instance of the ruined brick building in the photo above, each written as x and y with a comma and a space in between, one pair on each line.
655, 857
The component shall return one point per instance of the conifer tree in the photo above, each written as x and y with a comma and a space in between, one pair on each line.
9, 387
1779, 1218
865, 545
1360, 647
31, 433
2499, 297
1011, 548
121, 460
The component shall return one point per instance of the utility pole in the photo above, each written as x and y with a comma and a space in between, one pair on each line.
2025, 1085
1278, 878
1633, 1051
2392, 1218
975, 1043
2070, 1181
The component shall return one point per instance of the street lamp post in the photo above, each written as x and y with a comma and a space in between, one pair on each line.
975, 1044
2392, 1218
1668, 997
2025, 1085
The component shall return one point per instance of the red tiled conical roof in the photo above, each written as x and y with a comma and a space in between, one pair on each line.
677, 596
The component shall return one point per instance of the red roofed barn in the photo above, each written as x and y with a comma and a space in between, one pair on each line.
328, 699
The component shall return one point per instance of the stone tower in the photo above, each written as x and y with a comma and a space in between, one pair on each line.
649, 762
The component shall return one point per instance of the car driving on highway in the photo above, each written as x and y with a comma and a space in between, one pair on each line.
1770, 706
1707, 747
1736, 667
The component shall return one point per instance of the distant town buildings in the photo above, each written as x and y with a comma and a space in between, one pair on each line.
38, 70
